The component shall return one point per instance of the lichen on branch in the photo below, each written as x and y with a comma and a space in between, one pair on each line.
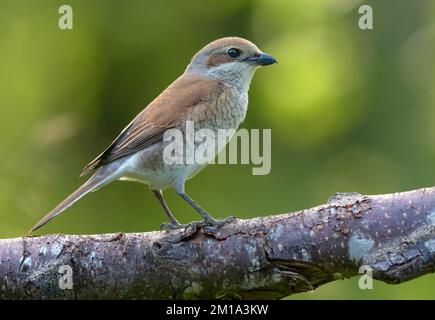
268, 257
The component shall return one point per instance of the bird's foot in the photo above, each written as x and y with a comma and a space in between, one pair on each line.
175, 225
214, 224
171, 226
196, 224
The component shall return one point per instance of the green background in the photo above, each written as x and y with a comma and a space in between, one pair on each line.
350, 110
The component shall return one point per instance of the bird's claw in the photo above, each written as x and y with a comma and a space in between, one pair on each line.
210, 225
196, 224
170, 226
176, 226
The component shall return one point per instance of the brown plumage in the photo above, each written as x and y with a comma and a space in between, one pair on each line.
212, 92
167, 111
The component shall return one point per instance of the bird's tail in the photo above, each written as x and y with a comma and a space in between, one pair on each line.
96, 181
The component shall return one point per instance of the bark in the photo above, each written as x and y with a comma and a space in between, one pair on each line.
268, 258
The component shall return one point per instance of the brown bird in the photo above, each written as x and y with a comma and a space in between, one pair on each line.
212, 92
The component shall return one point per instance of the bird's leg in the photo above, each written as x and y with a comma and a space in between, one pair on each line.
178, 185
174, 224
208, 219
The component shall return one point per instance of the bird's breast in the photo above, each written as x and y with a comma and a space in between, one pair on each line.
228, 111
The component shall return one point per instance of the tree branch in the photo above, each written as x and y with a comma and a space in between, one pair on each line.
268, 257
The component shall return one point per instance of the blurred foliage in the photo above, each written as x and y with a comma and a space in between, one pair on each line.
350, 110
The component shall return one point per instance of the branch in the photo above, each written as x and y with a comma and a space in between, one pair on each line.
268, 258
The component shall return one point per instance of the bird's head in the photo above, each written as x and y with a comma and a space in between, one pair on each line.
231, 60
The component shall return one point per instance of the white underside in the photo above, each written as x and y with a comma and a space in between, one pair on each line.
136, 168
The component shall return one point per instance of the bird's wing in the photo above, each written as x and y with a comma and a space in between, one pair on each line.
167, 111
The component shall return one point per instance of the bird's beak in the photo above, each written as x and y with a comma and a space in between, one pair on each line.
262, 59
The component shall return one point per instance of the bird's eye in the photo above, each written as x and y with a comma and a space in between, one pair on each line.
233, 52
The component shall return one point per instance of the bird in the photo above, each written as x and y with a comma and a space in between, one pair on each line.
212, 93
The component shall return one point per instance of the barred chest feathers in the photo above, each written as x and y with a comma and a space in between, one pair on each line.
229, 111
